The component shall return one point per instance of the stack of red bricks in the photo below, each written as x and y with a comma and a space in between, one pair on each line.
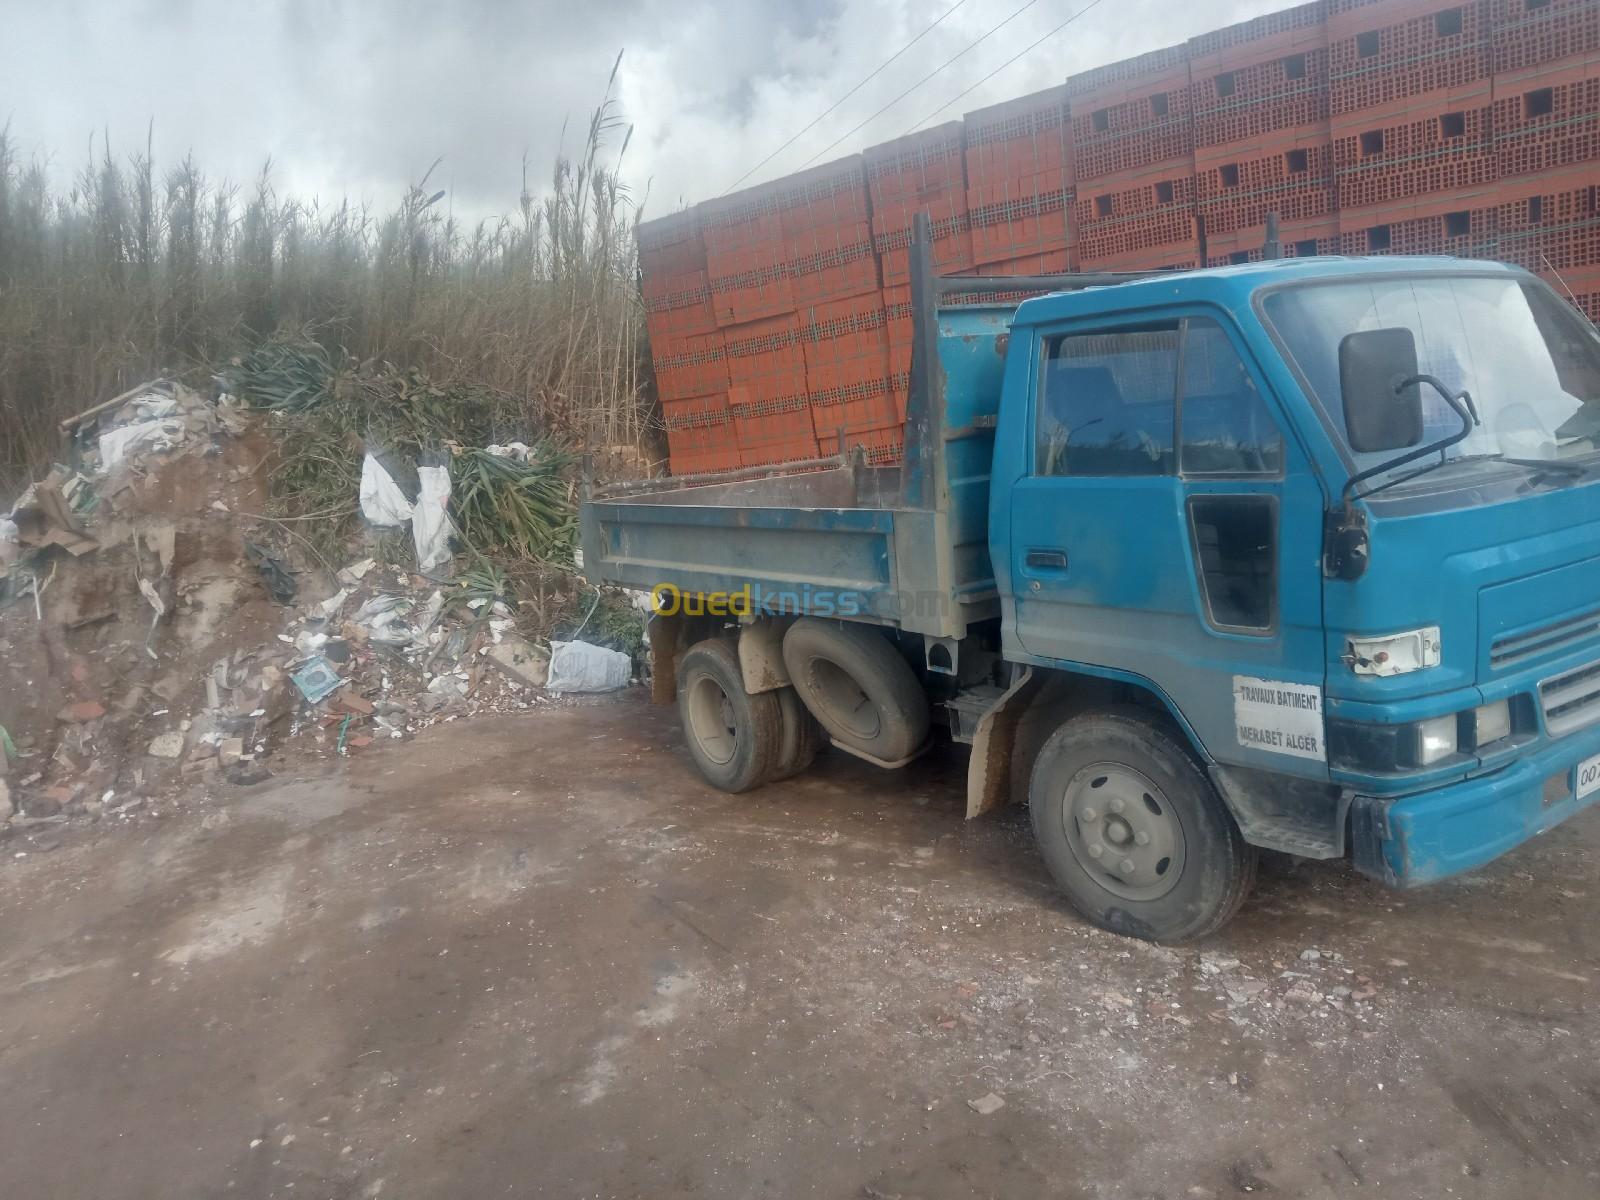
1259, 95
1546, 122
686, 344
780, 317
1411, 98
1133, 164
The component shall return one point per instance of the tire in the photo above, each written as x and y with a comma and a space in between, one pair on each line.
1134, 832
857, 686
801, 739
733, 737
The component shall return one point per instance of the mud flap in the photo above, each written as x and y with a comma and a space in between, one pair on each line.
666, 646
989, 768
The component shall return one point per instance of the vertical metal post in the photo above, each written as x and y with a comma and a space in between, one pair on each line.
1273, 248
922, 477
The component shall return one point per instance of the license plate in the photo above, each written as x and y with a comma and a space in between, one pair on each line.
1588, 776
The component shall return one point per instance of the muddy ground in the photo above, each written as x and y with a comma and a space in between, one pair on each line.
536, 956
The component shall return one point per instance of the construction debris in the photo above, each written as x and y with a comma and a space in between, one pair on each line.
169, 635
522, 660
50, 512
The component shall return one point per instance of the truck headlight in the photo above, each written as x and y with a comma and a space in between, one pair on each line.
1389, 749
1490, 723
1436, 739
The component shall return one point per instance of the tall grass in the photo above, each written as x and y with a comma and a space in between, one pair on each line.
137, 269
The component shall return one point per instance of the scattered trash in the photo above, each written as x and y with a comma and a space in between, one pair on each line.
517, 451
10, 542
317, 680
986, 1105
430, 522
159, 604
145, 437
50, 513
275, 573
331, 606
355, 572
584, 667
449, 685
172, 555
382, 501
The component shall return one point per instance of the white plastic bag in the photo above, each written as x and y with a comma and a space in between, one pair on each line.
151, 405
582, 667
146, 437
382, 501
10, 547
430, 523
517, 451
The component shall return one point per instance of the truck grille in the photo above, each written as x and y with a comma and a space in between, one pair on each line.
1571, 700
1559, 635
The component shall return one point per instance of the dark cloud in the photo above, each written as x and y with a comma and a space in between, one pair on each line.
357, 98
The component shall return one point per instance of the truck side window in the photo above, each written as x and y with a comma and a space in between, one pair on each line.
1227, 429
1235, 546
1107, 403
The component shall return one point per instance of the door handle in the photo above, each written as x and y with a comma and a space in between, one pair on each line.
1046, 560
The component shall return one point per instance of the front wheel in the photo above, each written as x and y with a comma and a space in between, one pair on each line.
1134, 832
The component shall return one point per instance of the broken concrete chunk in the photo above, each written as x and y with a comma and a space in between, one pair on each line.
356, 571
522, 660
167, 745
986, 1105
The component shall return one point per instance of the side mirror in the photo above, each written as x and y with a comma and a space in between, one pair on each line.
1379, 413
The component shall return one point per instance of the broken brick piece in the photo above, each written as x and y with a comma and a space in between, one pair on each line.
351, 702
83, 710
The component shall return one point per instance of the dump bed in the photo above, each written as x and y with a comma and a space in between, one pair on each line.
903, 545
906, 546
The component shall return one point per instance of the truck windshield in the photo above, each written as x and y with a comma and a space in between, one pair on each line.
1530, 362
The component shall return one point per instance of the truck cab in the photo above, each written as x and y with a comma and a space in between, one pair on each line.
1413, 660
1302, 555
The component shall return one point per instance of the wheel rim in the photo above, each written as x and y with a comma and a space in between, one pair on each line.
844, 701
711, 720
1123, 832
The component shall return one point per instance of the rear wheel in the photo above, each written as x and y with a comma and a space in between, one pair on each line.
734, 737
857, 686
801, 738
1134, 832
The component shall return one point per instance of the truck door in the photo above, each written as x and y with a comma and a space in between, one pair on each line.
1170, 530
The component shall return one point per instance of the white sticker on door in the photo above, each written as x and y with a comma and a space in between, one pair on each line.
1278, 717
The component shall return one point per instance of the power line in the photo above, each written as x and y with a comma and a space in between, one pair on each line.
920, 82
1004, 65
879, 70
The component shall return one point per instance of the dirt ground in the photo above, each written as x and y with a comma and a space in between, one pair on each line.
536, 956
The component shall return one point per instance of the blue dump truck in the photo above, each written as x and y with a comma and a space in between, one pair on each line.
1301, 555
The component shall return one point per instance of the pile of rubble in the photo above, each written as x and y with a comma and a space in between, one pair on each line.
159, 629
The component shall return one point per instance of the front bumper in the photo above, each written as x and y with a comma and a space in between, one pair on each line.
1407, 841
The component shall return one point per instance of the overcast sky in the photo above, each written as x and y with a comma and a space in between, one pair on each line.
356, 98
